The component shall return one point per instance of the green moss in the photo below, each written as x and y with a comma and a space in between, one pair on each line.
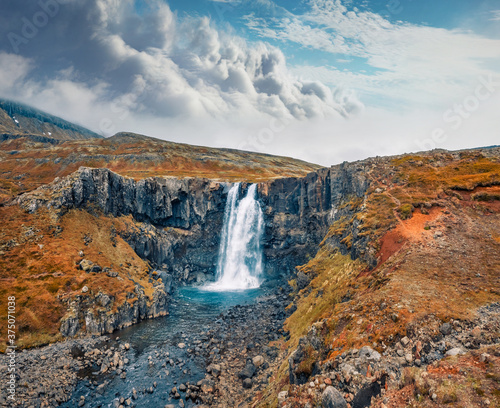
405, 211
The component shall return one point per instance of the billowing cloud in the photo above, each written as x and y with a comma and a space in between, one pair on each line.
148, 61
398, 62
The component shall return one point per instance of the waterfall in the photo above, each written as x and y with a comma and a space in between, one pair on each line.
239, 264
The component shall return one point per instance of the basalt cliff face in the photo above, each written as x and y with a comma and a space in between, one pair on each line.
174, 225
181, 218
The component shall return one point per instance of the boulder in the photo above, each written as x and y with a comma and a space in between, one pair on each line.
369, 354
258, 361
86, 265
445, 329
248, 371
332, 398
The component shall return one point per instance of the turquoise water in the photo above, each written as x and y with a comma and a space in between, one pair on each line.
191, 312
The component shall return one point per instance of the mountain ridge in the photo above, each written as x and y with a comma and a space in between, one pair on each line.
20, 119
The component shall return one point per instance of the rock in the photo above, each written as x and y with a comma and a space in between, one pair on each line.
69, 325
258, 361
282, 396
364, 396
408, 358
369, 354
85, 289
485, 358
207, 386
112, 274
247, 383
445, 329
86, 265
331, 398
181, 345
454, 352
302, 280
248, 371
404, 341
214, 369
95, 268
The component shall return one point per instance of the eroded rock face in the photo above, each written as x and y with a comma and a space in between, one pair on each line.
94, 314
179, 222
165, 202
299, 211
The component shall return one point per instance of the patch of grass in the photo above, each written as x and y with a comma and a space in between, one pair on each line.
40, 269
405, 211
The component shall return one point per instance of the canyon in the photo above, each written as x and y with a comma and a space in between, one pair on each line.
380, 277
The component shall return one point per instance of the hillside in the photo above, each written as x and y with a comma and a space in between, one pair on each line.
26, 163
411, 315
391, 264
21, 120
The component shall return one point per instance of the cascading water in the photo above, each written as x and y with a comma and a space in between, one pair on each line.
239, 264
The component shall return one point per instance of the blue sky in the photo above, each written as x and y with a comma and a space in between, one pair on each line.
357, 77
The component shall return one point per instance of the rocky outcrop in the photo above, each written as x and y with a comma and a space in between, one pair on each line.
182, 217
302, 363
98, 314
299, 212
165, 202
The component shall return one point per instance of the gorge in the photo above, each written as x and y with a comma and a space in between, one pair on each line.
340, 248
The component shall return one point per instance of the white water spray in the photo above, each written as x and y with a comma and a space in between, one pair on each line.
239, 264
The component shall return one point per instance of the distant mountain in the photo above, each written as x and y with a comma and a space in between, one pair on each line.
21, 120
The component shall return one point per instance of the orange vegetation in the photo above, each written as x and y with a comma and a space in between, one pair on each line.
38, 265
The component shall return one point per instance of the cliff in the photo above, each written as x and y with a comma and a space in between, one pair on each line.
174, 225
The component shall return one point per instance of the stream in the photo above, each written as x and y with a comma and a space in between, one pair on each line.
156, 362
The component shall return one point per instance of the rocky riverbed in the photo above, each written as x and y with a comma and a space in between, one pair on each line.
204, 358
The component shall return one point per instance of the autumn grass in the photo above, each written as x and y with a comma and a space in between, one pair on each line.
25, 165
39, 261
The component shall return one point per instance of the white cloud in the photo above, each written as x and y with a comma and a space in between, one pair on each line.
160, 65
13, 69
186, 81
495, 15
414, 65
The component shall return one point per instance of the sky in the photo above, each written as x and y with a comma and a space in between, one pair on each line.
321, 80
